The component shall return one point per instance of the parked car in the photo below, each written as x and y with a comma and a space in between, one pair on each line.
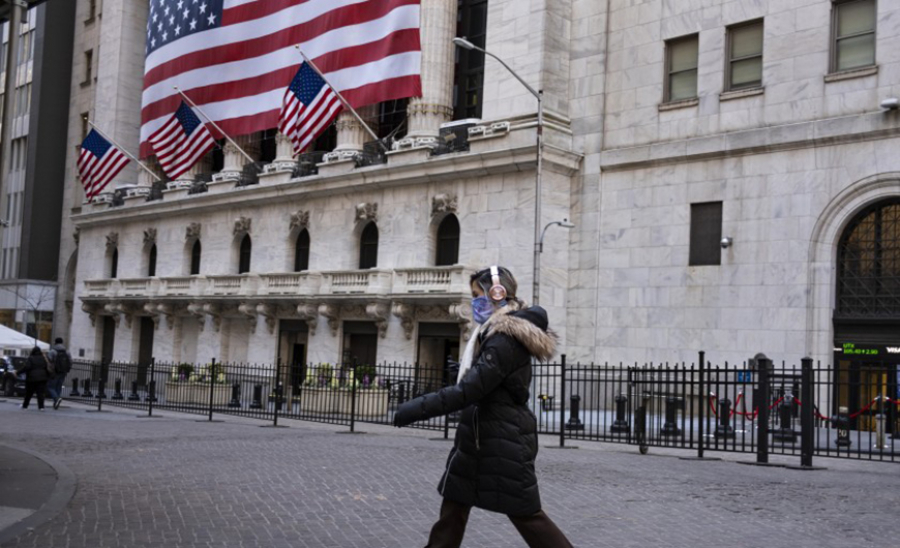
12, 384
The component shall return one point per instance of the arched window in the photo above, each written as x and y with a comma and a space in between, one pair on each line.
151, 261
195, 258
301, 252
368, 247
114, 264
448, 242
868, 283
244, 258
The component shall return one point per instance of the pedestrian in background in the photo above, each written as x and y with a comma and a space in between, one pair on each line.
491, 465
62, 364
36, 375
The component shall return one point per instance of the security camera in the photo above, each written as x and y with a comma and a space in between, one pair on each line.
892, 103
725, 242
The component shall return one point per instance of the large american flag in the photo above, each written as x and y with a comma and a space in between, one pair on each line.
181, 142
98, 163
234, 58
309, 106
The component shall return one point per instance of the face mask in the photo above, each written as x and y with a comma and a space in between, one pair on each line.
481, 309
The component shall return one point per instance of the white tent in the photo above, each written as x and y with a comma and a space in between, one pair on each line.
15, 343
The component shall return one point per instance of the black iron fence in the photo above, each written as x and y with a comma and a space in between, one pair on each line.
757, 407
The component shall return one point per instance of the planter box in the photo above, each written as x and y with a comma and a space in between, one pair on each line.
369, 403
196, 393
317, 400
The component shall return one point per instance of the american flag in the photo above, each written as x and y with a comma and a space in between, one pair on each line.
235, 57
309, 106
181, 142
98, 163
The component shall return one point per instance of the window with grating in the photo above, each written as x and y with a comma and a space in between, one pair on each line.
468, 86
151, 262
368, 247
195, 258
448, 242
246, 251
868, 283
706, 233
114, 264
301, 252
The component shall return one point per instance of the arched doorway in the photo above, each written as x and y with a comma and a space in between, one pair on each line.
867, 310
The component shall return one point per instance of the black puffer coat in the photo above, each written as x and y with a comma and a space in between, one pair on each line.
491, 465
35, 369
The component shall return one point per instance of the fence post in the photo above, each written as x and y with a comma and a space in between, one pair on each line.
212, 386
277, 390
353, 400
101, 394
701, 404
806, 414
762, 432
562, 402
151, 388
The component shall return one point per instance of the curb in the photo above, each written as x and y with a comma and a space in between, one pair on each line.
63, 492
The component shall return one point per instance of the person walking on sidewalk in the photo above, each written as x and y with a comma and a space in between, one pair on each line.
36, 375
491, 465
62, 364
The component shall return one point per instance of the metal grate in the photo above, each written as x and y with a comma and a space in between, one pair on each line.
868, 284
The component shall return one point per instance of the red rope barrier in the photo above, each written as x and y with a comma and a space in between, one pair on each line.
819, 415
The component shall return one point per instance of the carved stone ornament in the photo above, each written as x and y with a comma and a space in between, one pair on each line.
366, 211
406, 313
270, 313
212, 310
167, 311
112, 241
332, 313
112, 310
443, 203
150, 236
196, 309
462, 313
242, 225
76, 235
380, 312
299, 220
192, 232
310, 314
249, 310
91, 310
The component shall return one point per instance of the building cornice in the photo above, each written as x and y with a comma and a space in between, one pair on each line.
514, 152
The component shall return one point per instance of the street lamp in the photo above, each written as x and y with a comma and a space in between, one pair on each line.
564, 224
538, 183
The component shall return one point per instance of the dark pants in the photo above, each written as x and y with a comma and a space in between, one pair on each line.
55, 386
32, 388
538, 530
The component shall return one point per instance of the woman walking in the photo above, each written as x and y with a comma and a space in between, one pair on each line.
36, 376
491, 465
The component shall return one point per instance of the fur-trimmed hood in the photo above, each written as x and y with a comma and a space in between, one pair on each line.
529, 326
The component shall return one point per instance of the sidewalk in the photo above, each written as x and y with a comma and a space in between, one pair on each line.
176, 482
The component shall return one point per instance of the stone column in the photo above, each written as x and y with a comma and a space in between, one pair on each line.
351, 135
438, 27
144, 178
234, 160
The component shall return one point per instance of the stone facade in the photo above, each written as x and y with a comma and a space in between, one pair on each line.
791, 161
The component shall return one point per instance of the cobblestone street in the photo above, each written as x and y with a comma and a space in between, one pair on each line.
176, 482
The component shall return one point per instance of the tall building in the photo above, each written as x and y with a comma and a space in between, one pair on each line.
728, 167
34, 154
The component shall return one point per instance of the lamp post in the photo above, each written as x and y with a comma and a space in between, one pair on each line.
538, 183
540, 249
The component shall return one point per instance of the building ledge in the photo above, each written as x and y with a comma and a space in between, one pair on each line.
851, 74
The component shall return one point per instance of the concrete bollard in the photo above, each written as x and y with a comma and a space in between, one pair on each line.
134, 392
118, 392
257, 397
86, 391
842, 424
785, 433
620, 426
670, 427
151, 391
101, 389
74, 393
723, 427
574, 422
235, 396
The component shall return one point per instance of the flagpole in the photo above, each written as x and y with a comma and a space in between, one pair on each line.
227, 138
125, 152
341, 97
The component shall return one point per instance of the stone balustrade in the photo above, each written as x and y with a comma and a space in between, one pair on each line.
442, 280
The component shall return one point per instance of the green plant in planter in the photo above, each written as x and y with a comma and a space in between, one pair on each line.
321, 376
366, 376
182, 372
